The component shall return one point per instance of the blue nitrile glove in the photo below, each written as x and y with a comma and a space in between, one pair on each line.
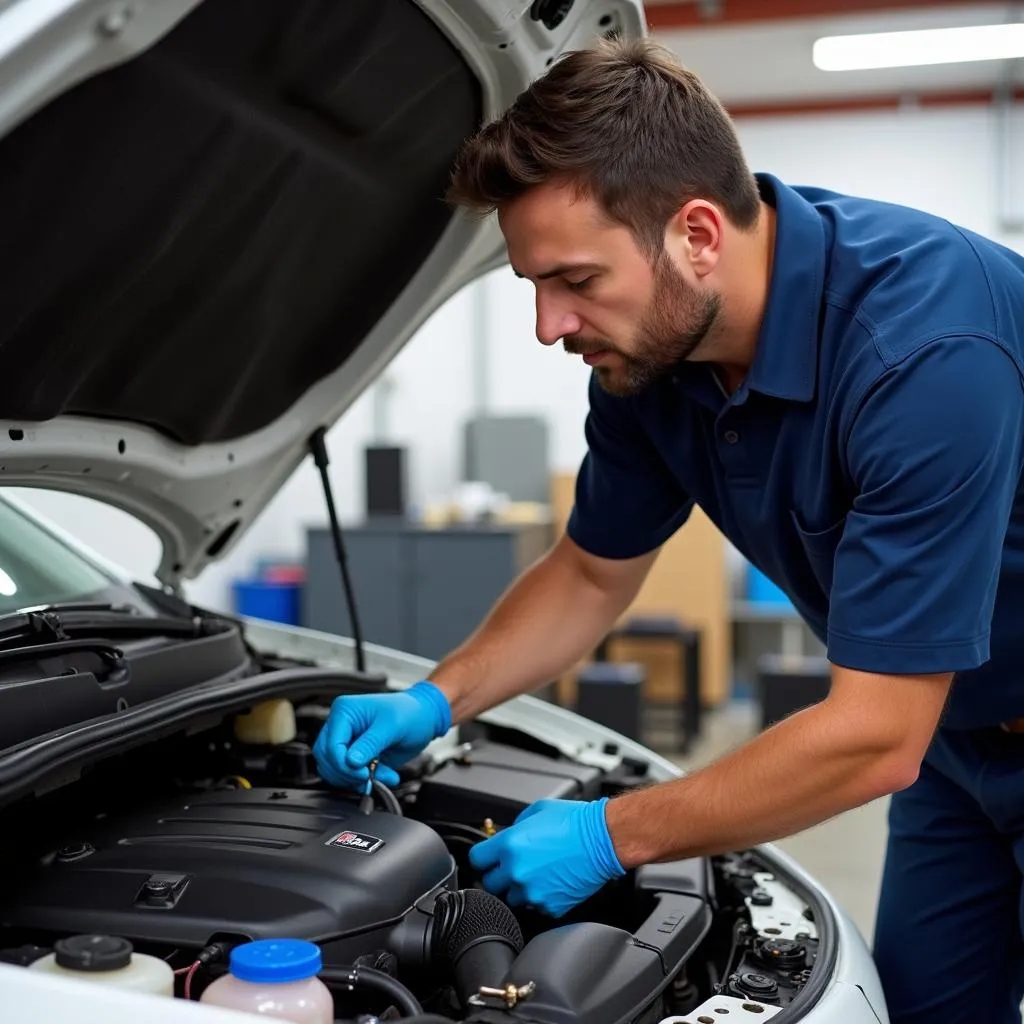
555, 855
389, 727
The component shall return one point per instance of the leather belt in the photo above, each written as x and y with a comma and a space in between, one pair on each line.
1013, 725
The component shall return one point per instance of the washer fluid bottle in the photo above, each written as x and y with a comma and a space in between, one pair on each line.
108, 960
276, 978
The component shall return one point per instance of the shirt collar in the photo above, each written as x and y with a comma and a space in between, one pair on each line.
786, 358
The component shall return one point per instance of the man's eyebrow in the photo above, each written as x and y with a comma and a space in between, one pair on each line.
563, 268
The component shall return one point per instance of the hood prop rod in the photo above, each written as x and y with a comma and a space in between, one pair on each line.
318, 447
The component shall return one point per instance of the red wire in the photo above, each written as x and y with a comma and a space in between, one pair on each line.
188, 979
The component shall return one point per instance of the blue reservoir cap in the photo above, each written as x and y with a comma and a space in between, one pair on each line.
276, 960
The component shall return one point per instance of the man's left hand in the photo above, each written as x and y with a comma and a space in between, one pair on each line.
555, 855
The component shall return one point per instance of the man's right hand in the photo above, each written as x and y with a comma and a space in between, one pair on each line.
391, 728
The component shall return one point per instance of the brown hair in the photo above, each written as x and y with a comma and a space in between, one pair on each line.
624, 123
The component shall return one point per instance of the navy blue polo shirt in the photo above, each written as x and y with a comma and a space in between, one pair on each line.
870, 462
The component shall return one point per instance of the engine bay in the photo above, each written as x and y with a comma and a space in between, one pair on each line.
214, 837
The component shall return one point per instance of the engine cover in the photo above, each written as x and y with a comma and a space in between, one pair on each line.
259, 863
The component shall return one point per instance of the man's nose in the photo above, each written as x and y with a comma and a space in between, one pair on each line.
555, 321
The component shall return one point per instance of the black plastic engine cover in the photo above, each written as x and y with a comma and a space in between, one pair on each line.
259, 863
498, 781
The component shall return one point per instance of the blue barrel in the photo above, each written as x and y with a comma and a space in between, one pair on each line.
272, 600
761, 590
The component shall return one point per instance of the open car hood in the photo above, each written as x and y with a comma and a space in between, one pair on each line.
223, 218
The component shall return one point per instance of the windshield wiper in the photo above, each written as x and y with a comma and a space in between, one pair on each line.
80, 606
110, 655
45, 618
60, 622
30, 625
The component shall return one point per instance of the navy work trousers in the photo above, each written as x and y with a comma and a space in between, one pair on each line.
948, 937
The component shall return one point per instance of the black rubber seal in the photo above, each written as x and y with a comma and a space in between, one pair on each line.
827, 927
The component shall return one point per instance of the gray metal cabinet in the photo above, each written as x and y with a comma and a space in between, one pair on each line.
417, 589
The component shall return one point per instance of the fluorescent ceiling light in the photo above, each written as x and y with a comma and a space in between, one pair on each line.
922, 46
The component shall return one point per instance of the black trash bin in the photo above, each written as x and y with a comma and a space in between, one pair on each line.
788, 684
611, 694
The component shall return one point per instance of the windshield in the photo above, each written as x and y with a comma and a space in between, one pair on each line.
37, 568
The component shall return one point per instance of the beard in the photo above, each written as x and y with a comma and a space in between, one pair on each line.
672, 328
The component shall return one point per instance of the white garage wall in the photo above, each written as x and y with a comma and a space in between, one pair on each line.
944, 160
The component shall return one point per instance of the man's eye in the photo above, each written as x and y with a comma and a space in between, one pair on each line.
577, 286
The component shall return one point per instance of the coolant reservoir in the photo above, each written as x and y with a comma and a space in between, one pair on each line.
108, 960
276, 978
272, 721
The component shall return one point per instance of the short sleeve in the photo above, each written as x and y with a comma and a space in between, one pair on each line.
627, 501
934, 453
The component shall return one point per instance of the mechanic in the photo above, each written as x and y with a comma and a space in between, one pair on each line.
837, 383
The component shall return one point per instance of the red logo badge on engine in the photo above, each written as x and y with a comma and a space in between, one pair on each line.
357, 841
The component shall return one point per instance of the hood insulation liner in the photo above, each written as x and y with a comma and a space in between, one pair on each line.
193, 239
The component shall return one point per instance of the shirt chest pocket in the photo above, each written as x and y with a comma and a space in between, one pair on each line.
819, 548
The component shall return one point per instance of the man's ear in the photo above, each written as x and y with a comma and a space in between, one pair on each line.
693, 237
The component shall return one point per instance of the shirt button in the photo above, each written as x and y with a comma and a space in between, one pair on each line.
731, 437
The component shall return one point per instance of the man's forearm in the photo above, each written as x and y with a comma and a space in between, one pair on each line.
548, 620
802, 771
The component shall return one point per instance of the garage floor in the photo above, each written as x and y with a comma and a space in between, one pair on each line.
844, 854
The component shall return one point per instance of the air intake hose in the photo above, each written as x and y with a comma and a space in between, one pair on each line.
476, 936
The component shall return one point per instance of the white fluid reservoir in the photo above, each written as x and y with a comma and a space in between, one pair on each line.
108, 960
276, 978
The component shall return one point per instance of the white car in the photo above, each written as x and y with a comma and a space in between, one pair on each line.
221, 220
